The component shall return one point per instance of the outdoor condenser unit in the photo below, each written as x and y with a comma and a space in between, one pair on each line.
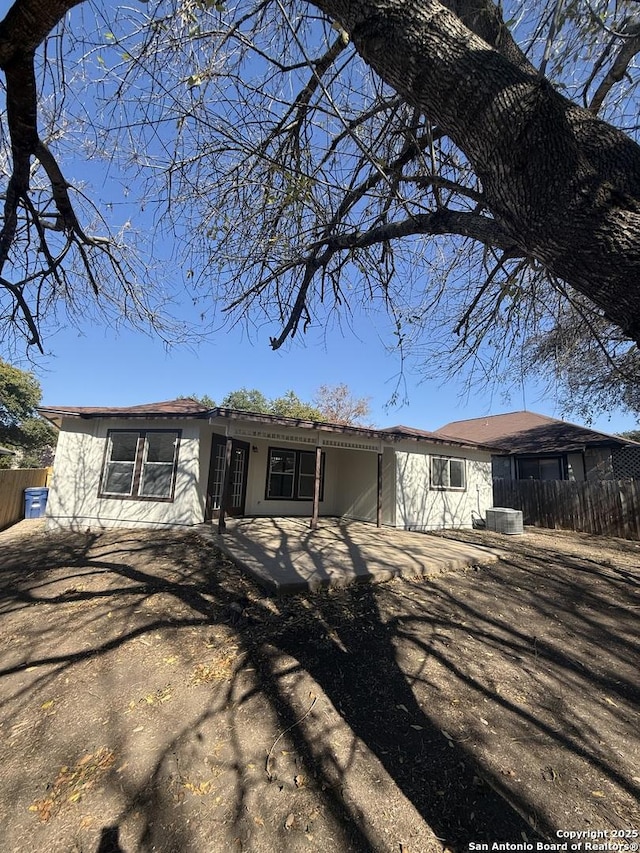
504, 520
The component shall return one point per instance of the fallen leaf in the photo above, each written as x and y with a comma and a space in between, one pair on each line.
299, 781
199, 789
289, 821
597, 793
403, 708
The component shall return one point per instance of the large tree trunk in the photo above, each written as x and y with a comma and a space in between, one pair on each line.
564, 185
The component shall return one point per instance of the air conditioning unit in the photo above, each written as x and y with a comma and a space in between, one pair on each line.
504, 520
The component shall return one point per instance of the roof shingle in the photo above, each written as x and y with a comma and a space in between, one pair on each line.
529, 432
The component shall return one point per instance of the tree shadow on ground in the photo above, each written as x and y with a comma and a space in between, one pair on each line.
382, 660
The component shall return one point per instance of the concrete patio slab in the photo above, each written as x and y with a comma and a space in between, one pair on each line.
285, 556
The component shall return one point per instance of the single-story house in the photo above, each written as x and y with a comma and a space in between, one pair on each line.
536, 447
179, 463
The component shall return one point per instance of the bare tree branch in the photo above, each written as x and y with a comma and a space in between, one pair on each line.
628, 50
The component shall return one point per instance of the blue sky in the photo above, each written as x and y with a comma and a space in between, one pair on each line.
99, 367
94, 365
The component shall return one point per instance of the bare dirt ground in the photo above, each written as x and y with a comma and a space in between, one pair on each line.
154, 699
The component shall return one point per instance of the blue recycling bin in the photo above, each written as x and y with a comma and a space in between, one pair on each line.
35, 502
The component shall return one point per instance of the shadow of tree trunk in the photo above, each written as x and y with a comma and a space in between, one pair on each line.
358, 671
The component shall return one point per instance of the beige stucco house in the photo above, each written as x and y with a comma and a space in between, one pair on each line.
177, 463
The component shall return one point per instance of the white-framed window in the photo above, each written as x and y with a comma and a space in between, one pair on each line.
291, 475
140, 464
448, 473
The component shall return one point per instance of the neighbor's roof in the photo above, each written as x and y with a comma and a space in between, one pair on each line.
528, 432
4, 451
188, 408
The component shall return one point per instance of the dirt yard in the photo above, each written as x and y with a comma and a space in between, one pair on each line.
153, 699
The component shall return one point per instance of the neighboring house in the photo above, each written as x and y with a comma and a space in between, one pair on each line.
6, 454
535, 447
177, 463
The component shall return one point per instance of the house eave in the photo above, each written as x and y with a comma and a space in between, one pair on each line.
385, 436
217, 415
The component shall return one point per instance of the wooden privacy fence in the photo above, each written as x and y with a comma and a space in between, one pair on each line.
605, 507
13, 482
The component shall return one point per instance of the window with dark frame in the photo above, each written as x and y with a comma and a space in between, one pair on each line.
448, 473
540, 468
140, 464
291, 475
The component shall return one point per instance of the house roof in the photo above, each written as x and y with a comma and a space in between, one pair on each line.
529, 432
168, 408
188, 408
4, 451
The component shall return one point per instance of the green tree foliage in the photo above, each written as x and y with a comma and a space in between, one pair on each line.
588, 372
291, 406
204, 399
632, 434
21, 428
331, 403
246, 400
20, 393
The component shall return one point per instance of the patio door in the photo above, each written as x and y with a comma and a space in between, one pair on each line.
237, 478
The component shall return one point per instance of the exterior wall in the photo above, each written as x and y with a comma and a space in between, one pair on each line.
418, 507
357, 485
598, 463
350, 489
350, 482
575, 467
346, 462
503, 467
73, 493
389, 486
258, 504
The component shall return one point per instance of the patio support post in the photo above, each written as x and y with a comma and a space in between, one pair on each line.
316, 489
379, 504
226, 482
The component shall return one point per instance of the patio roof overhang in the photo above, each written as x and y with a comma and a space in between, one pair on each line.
256, 424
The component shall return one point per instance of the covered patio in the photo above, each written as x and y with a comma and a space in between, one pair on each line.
285, 556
